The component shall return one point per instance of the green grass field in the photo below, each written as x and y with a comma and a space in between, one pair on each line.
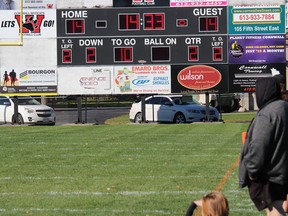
120, 169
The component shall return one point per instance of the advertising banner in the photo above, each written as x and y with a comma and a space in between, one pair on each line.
257, 20
9, 5
84, 80
199, 79
191, 3
35, 23
286, 7
243, 76
28, 81
27, 4
142, 79
257, 49
39, 4
255, 2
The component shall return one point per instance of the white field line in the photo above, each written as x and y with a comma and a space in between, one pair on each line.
32, 178
246, 210
73, 210
124, 147
120, 193
130, 155
238, 208
179, 155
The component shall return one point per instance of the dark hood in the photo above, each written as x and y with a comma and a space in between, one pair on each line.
267, 90
280, 78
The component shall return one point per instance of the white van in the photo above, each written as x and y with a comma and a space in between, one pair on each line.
30, 111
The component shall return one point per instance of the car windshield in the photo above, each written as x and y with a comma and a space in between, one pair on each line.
27, 101
184, 100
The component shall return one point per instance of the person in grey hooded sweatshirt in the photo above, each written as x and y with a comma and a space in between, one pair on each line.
264, 157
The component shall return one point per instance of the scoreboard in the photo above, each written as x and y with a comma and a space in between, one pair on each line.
123, 36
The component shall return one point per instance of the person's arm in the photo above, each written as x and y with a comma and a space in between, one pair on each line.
192, 207
259, 147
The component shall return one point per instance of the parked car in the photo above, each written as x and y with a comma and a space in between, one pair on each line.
30, 111
172, 108
225, 102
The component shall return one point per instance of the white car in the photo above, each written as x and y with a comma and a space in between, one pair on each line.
172, 108
30, 111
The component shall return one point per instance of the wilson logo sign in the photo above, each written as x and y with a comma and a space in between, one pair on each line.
199, 77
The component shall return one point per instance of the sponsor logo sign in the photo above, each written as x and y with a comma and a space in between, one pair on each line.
257, 20
191, 3
91, 80
33, 81
257, 49
243, 76
39, 4
142, 79
199, 77
35, 23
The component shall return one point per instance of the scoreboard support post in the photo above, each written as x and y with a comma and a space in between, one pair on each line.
16, 119
207, 107
143, 109
79, 109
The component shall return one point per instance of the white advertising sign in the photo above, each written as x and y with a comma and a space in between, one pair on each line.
255, 2
142, 79
84, 3
196, 3
35, 23
28, 77
39, 4
9, 4
27, 4
34, 80
85, 80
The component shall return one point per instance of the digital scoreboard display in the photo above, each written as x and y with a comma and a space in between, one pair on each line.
113, 36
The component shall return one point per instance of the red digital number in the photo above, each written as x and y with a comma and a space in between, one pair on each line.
208, 24
217, 54
67, 56
90, 55
75, 26
155, 21
123, 54
129, 21
193, 53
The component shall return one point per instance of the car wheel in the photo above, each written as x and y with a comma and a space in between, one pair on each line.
179, 118
138, 118
20, 119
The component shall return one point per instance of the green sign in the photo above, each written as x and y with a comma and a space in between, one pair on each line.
257, 20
